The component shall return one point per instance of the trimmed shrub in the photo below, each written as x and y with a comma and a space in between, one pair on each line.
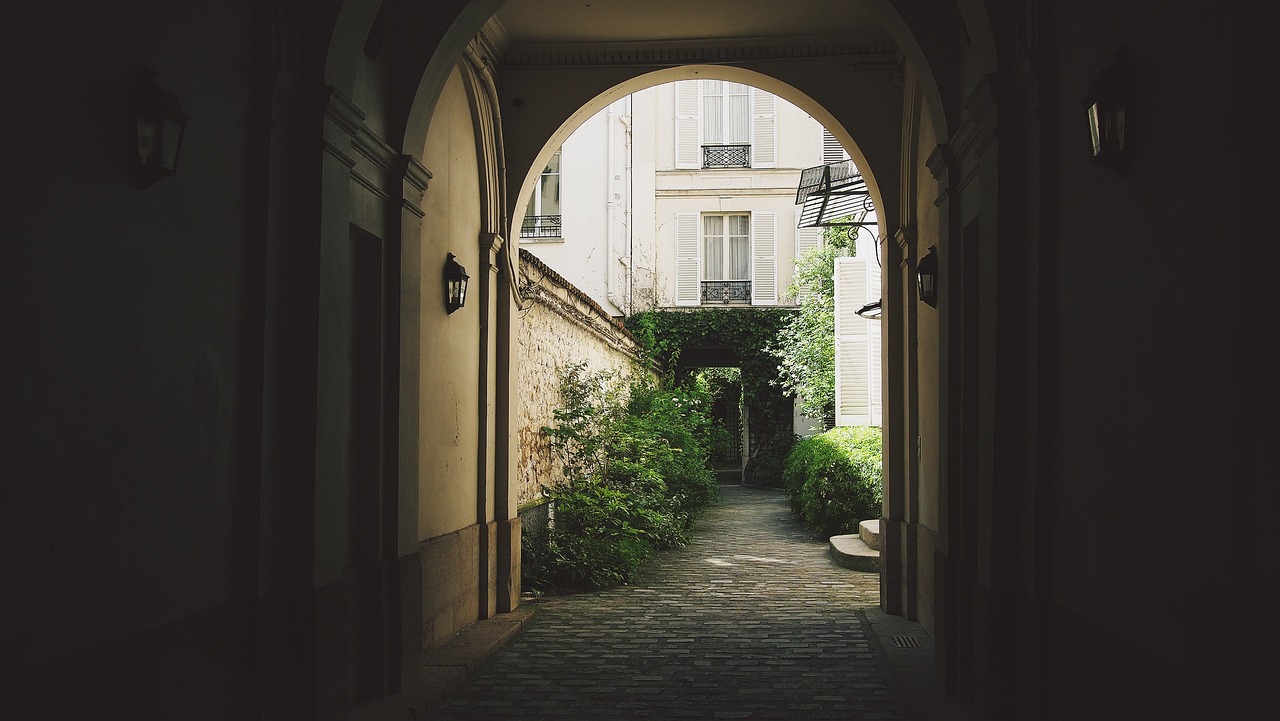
834, 480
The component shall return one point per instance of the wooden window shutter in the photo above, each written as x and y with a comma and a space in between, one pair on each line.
688, 270
688, 143
764, 129
764, 258
858, 342
832, 150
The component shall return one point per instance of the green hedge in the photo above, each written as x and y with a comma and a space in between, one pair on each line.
834, 480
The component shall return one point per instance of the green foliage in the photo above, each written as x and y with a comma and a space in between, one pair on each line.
835, 480
744, 334
635, 456
806, 347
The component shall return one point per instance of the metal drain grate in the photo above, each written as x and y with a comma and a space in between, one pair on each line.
906, 641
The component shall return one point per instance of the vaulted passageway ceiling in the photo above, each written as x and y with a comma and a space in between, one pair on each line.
530, 22
563, 59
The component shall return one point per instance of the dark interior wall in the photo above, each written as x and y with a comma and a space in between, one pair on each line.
130, 494
1146, 374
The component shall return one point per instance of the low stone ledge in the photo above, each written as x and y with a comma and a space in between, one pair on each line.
850, 551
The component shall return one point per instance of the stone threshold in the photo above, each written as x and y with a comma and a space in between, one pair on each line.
444, 669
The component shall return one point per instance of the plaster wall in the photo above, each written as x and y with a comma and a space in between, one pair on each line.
924, 507
927, 227
1119, 343
450, 357
131, 332
583, 252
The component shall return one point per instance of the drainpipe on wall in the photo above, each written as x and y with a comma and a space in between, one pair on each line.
628, 121
616, 207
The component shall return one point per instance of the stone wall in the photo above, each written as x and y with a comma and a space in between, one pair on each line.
559, 326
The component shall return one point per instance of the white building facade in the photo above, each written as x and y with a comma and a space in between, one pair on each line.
683, 195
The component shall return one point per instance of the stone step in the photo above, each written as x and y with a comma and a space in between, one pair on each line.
850, 551
869, 531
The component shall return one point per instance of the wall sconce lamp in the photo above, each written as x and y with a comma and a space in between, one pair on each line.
927, 277
870, 311
1104, 106
455, 284
161, 125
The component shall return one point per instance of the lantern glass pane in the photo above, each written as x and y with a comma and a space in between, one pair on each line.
1094, 128
146, 141
169, 139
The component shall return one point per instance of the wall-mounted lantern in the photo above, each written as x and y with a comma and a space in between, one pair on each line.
927, 277
161, 126
455, 284
1104, 107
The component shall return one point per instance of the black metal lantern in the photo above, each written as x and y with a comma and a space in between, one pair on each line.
455, 284
1104, 106
161, 126
927, 277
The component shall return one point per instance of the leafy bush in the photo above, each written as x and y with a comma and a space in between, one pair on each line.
834, 480
635, 455
765, 469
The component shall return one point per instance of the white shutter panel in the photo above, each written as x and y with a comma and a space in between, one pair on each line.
806, 238
764, 130
832, 150
688, 270
688, 146
764, 258
868, 252
853, 344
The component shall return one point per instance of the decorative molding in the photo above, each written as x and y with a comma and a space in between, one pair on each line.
493, 38
373, 148
940, 161
943, 167
866, 50
491, 246
344, 113
413, 182
905, 237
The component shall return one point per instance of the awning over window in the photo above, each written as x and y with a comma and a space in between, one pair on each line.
833, 194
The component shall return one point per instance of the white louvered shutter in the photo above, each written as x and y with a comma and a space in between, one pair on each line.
688, 145
832, 150
764, 130
764, 258
688, 270
868, 252
806, 238
853, 344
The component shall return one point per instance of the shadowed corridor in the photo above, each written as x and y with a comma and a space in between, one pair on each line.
749, 620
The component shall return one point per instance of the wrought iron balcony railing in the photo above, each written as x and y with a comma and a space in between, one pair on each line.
540, 226
726, 291
726, 156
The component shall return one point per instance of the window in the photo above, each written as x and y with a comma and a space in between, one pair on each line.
726, 124
726, 258
721, 124
542, 215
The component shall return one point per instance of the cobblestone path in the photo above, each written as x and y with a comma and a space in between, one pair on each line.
750, 620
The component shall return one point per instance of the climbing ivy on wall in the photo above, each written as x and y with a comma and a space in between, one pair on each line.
670, 335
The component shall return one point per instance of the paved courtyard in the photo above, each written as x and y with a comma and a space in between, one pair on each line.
750, 620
